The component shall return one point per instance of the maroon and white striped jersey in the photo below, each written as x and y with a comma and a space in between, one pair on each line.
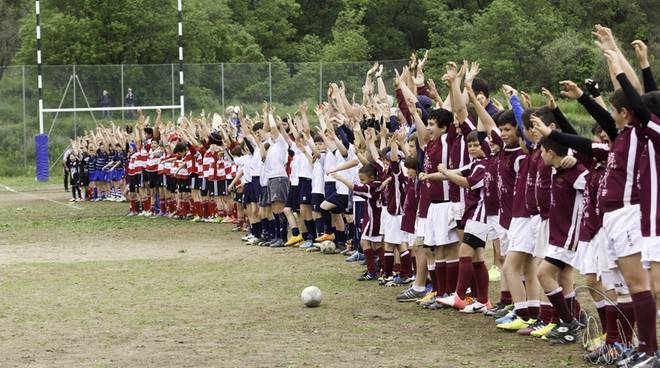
371, 194
543, 188
458, 155
435, 153
475, 172
410, 205
491, 200
649, 171
592, 218
395, 190
566, 206
621, 186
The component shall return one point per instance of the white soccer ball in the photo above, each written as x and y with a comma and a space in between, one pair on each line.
327, 247
311, 296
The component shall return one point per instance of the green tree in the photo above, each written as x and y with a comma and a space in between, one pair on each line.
348, 40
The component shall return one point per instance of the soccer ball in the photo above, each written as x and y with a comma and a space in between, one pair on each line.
311, 296
327, 247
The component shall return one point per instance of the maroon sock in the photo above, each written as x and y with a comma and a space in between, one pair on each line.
559, 302
481, 282
134, 206
534, 311
369, 259
406, 265
523, 312
146, 205
397, 268
171, 206
505, 297
554, 316
626, 318
163, 206
645, 315
465, 276
544, 314
381, 256
612, 326
440, 277
602, 317
388, 264
452, 276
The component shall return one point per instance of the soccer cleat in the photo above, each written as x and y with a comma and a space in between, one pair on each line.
410, 295
494, 274
637, 360
503, 312
382, 281
496, 308
294, 241
325, 237
476, 307
606, 354
527, 331
235, 228
367, 276
277, 243
247, 237
563, 329
542, 331
428, 296
516, 324
436, 305
399, 281
508, 317
355, 257
307, 244
196, 219
453, 301
132, 214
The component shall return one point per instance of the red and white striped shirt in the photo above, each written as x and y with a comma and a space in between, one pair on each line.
133, 164
208, 165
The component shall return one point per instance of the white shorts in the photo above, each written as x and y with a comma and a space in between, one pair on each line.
613, 279
440, 226
623, 231
478, 229
409, 238
457, 210
542, 238
495, 230
383, 219
420, 227
522, 234
586, 260
650, 249
561, 254
373, 239
392, 229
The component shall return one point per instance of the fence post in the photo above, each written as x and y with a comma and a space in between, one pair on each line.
172, 65
270, 83
222, 85
24, 121
75, 127
122, 91
320, 82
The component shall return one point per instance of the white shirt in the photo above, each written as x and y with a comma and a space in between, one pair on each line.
341, 187
318, 183
244, 163
276, 157
255, 163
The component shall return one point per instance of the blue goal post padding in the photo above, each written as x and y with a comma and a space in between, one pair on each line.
41, 156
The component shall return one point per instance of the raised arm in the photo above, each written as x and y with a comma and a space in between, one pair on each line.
641, 51
606, 42
635, 100
561, 120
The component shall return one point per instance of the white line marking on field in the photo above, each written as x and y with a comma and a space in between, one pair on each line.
9, 189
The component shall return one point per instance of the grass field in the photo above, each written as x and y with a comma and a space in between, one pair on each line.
85, 286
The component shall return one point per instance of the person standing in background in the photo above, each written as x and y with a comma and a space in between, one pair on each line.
129, 101
105, 102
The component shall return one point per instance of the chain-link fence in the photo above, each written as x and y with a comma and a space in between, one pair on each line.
211, 87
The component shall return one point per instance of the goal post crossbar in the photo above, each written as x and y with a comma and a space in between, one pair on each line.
126, 108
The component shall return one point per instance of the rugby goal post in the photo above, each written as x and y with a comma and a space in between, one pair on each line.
41, 139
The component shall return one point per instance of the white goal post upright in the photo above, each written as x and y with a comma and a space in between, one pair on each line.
41, 140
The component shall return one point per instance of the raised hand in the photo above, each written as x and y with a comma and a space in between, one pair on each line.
641, 51
379, 73
432, 90
526, 100
605, 38
570, 90
452, 73
540, 126
550, 99
425, 59
509, 91
419, 77
397, 79
472, 72
613, 62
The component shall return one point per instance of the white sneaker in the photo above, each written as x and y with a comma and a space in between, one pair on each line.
475, 307
252, 241
247, 237
72, 200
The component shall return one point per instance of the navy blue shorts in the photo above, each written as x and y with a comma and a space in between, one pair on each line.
216, 188
183, 185
340, 201
317, 199
252, 191
292, 200
134, 182
305, 191
150, 179
329, 189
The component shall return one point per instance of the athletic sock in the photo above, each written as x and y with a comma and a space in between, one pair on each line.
369, 258
163, 206
644, 304
573, 305
534, 308
452, 276
544, 312
556, 297
397, 266
273, 228
318, 225
388, 264
350, 230
256, 229
626, 317
311, 230
327, 222
465, 276
340, 238
600, 308
441, 276
521, 310
406, 264
505, 297
612, 325
481, 280
134, 207
146, 204
283, 230
381, 257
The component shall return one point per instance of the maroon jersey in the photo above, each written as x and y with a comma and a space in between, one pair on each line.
566, 206
530, 191
592, 218
396, 191
436, 153
370, 193
458, 155
410, 205
543, 188
424, 200
649, 171
474, 198
491, 201
507, 170
621, 187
